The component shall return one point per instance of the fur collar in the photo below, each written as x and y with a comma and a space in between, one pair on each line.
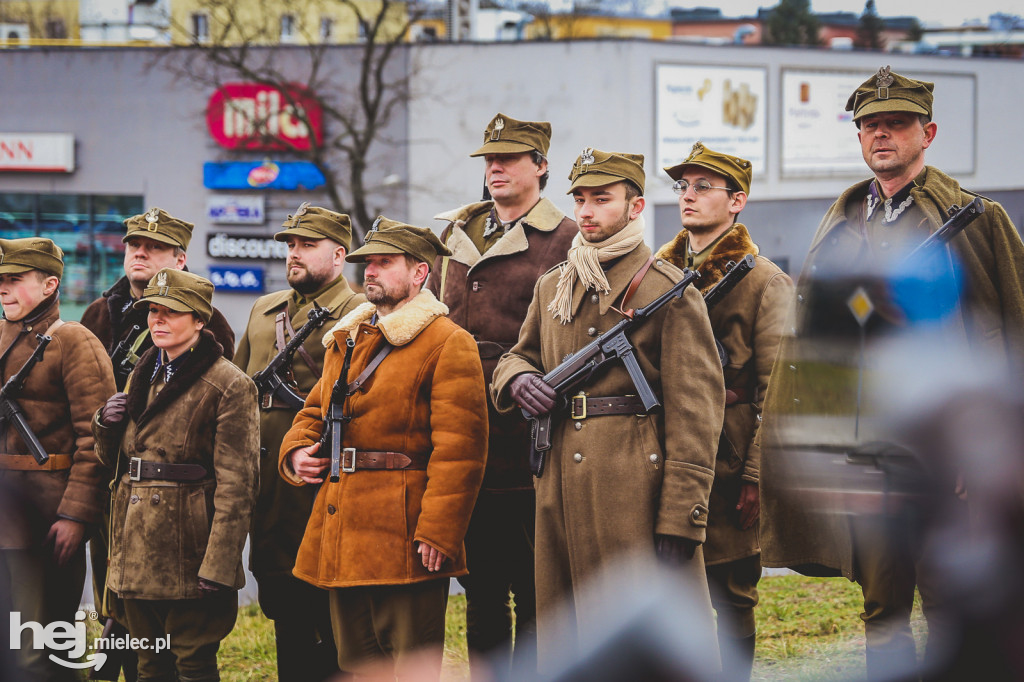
732, 247
400, 327
543, 217
205, 355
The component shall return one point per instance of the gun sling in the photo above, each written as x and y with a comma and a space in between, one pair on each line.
283, 324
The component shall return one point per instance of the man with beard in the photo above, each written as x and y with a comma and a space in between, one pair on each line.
619, 482
869, 228
499, 249
318, 240
713, 189
386, 536
154, 240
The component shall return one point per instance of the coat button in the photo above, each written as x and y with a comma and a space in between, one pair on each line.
133, 499
578, 425
799, 298
594, 298
592, 331
696, 514
155, 499
792, 368
331, 509
577, 458
654, 458
161, 452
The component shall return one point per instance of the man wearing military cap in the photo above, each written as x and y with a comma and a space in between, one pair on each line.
713, 189
154, 240
47, 508
182, 443
618, 481
387, 535
318, 240
499, 248
875, 222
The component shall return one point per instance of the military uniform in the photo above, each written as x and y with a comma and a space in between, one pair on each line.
862, 228
415, 445
186, 459
612, 482
487, 293
111, 318
748, 323
61, 392
305, 647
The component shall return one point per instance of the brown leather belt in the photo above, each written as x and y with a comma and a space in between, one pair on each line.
352, 459
162, 471
582, 407
28, 463
737, 395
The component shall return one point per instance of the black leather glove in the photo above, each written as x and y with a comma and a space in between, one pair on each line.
532, 394
114, 411
674, 550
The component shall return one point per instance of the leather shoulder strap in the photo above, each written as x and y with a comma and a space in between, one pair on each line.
633, 286
370, 368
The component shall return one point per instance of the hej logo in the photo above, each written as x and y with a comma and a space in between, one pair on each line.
60, 636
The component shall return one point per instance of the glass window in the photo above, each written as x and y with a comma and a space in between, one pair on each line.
287, 27
326, 29
87, 228
200, 27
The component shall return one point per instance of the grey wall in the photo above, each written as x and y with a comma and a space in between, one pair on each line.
602, 94
141, 130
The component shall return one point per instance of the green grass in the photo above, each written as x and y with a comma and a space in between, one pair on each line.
808, 629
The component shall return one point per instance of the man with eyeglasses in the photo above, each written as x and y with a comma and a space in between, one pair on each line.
748, 322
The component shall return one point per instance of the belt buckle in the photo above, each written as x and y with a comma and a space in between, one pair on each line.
582, 397
135, 469
345, 452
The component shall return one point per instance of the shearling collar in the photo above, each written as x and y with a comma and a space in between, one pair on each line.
205, 354
543, 217
732, 247
399, 327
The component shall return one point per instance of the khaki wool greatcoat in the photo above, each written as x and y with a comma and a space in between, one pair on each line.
488, 296
992, 312
748, 322
71, 381
167, 534
612, 482
282, 510
425, 400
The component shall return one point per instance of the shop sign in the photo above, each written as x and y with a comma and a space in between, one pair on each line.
291, 175
251, 116
244, 279
233, 209
37, 152
245, 247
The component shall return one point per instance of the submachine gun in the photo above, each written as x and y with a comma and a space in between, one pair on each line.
612, 345
124, 357
334, 425
10, 410
268, 380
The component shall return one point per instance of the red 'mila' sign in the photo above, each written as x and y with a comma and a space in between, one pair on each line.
261, 117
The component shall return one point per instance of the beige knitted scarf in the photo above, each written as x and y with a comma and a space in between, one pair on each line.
584, 263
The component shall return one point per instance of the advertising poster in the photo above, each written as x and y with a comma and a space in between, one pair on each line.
819, 138
723, 107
